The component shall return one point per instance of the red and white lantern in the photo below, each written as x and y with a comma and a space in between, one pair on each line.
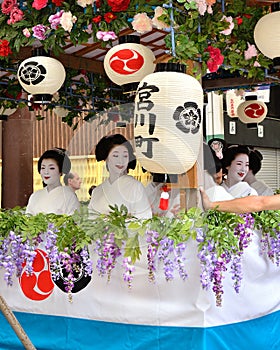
129, 62
168, 120
252, 111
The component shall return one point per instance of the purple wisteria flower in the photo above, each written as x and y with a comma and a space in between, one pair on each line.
128, 271
108, 252
152, 240
13, 254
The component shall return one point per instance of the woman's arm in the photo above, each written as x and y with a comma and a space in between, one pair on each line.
243, 205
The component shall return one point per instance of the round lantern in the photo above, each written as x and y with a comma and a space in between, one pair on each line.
41, 76
129, 62
251, 111
7, 111
267, 34
168, 120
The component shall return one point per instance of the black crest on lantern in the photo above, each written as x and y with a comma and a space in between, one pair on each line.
188, 117
32, 73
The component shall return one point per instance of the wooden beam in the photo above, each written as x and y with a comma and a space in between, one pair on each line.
68, 60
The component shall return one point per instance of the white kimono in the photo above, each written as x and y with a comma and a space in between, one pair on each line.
241, 189
262, 188
60, 200
125, 190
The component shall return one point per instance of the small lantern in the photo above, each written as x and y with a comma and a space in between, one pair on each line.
252, 111
41, 76
168, 120
267, 34
129, 62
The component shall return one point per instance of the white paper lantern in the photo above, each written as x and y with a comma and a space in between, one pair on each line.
7, 111
168, 121
267, 34
41, 76
129, 62
252, 111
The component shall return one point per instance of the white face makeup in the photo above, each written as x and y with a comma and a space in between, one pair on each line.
238, 169
117, 161
50, 173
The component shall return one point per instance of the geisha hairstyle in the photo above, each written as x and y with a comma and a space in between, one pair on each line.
61, 158
231, 153
107, 143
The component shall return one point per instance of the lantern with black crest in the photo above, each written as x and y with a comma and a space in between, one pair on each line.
168, 120
41, 76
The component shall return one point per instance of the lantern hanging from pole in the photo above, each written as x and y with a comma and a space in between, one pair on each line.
267, 34
41, 76
129, 62
252, 111
168, 120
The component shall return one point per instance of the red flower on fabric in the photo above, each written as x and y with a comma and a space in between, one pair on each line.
109, 17
57, 3
5, 49
7, 6
97, 19
39, 4
215, 60
118, 5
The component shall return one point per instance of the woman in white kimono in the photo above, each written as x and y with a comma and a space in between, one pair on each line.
120, 188
236, 166
53, 198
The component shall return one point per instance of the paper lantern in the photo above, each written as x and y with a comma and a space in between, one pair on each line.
168, 120
41, 76
129, 62
267, 34
7, 111
252, 111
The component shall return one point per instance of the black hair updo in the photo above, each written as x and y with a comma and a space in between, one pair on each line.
60, 156
107, 143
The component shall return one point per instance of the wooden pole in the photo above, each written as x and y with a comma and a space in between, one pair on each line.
17, 159
9, 315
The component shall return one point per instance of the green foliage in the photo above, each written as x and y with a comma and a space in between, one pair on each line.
82, 229
219, 230
267, 221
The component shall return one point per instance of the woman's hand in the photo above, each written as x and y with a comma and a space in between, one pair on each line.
207, 204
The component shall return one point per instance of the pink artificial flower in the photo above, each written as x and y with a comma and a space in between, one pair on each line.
7, 6
39, 31
256, 64
250, 52
55, 19
156, 22
106, 36
16, 15
231, 25
39, 4
67, 20
201, 6
142, 23
26, 32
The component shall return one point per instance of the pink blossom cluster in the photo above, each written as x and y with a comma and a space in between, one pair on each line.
10, 7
